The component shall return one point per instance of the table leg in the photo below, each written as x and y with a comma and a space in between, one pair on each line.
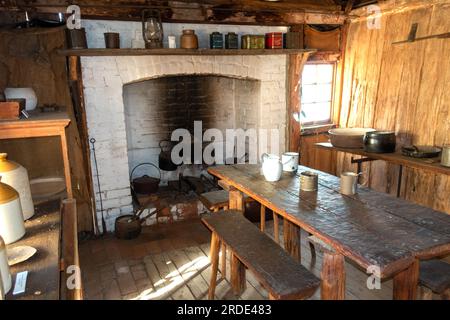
276, 232
333, 276
405, 282
236, 200
65, 154
263, 218
214, 256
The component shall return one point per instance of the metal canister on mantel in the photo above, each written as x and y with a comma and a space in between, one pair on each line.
231, 41
245, 41
216, 40
274, 40
257, 42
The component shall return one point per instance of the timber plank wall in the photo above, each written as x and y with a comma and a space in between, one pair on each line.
403, 87
29, 58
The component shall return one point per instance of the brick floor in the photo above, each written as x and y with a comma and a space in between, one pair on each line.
114, 269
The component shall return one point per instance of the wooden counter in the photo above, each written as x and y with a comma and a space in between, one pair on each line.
432, 164
42, 233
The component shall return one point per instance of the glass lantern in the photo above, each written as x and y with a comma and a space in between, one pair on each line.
152, 29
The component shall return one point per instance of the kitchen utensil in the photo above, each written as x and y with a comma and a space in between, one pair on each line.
290, 161
23, 93
165, 156
216, 40
380, 141
94, 218
76, 38
349, 183
348, 137
130, 226
16, 176
5, 275
189, 40
152, 28
271, 167
445, 159
421, 151
20, 254
145, 184
12, 227
309, 181
47, 188
231, 41
112, 40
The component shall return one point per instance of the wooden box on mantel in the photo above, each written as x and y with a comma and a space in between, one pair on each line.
10, 110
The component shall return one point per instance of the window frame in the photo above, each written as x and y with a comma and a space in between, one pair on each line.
312, 124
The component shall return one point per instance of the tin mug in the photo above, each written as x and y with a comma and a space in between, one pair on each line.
290, 161
349, 182
445, 158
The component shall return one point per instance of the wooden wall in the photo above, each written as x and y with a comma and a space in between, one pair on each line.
29, 58
403, 87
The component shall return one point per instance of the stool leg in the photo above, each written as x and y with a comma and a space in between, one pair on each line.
223, 261
425, 293
276, 232
214, 256
263, 218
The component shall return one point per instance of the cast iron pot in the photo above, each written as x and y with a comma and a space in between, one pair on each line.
145, 184
165, 156
379, 142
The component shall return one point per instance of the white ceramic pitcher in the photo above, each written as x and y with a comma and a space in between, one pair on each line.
271, 167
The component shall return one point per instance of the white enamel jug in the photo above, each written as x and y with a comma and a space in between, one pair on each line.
271, 167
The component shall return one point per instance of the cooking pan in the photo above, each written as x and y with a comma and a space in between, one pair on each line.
144, 184
421, 151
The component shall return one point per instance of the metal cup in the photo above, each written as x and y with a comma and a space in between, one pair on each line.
349, 183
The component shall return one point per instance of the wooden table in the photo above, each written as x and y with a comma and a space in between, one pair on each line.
41, 124
370, 228
432, 165
42, 233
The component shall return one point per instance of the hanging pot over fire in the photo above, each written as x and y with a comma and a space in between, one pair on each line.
144, 184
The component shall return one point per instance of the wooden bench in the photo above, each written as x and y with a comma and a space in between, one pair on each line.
250, 248
434, 277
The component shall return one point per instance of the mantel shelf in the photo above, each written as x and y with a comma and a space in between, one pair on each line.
184, 52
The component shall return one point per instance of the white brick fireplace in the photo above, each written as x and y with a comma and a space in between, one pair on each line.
104, 79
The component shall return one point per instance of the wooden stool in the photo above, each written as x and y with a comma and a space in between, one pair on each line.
434, 277
278, 273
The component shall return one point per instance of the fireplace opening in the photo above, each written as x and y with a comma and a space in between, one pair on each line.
154, 108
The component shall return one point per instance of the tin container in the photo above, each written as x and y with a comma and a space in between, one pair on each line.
216, 40
245, 41
309, 181
112, 40
257, 42
274, 40
231, 41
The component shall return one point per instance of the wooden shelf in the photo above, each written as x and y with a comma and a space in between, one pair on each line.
178, 52
432, 164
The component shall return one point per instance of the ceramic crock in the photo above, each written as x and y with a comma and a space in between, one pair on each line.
12, 227
5, 275
189, 40
16, 176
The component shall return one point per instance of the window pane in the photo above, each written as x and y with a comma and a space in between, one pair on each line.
324, 73
309, 74
316, 93
316, 112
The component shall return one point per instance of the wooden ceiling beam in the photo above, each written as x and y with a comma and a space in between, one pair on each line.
184, 12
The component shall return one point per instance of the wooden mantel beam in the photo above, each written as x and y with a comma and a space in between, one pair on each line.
190, 12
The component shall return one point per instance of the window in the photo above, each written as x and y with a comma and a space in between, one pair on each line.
317, 94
